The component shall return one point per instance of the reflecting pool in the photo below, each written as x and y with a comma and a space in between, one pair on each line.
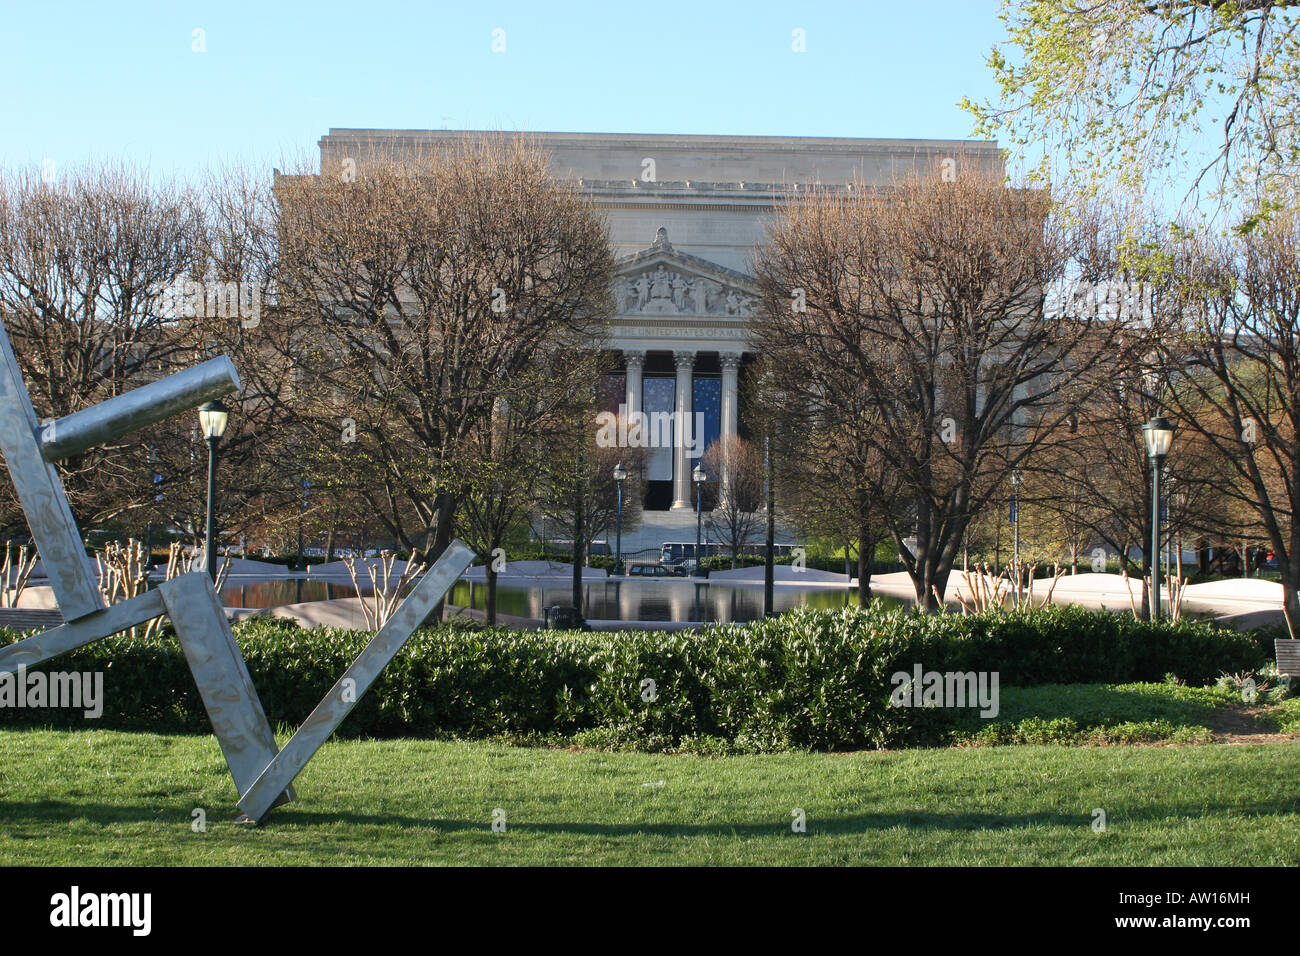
679, 599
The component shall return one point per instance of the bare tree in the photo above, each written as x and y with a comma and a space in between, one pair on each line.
929, 299
83, 265
830, 478
1237, 385
505, 457
739, 504
431, 285
579, 490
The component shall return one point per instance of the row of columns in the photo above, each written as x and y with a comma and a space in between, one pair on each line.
684, 360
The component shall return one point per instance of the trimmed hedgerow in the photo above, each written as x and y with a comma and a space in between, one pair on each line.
808, 679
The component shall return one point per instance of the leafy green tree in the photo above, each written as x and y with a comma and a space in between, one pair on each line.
1122, 88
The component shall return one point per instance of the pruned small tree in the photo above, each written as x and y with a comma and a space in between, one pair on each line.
579, 492
736, 468
506, 458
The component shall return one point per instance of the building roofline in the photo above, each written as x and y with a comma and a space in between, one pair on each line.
690, 140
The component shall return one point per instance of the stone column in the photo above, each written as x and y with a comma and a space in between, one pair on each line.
730, 423
730, 392
683, 464
634, 359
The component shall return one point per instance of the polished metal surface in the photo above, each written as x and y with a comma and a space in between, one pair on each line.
68, 637
263, 775
222, 677
349, 689
41, 493
139, 407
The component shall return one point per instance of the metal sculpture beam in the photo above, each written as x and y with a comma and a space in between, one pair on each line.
356, 680
263, 774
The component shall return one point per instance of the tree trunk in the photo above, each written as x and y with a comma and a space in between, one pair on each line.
866, 555
577, 548
441, 541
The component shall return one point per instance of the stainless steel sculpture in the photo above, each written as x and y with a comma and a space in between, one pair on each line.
263, 774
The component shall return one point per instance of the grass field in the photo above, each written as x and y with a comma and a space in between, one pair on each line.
101, 797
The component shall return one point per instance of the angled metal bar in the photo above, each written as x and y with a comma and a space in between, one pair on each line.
137, 408
257, 801
68, 637
222, 677
57, 539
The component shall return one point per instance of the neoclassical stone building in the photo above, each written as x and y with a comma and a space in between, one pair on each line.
685, 215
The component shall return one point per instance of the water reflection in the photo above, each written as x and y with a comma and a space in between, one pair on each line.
673, 600
276, 593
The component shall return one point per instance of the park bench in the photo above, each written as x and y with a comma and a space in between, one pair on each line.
1288, 656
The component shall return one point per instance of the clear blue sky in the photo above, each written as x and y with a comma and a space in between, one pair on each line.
120, 78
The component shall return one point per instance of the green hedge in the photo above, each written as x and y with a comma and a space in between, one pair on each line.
815, 679
822, 562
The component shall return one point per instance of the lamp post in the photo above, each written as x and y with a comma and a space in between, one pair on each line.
212, 421
700, 478
620, 476
1158, 435
1016, 479
769, 559
302, 508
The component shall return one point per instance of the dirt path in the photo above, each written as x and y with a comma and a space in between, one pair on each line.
1236, 725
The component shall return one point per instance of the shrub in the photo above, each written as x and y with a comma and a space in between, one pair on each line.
822, 562
808, 679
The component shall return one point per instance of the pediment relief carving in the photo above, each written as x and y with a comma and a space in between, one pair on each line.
662, 281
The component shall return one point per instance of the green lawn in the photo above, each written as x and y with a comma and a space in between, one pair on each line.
103, 797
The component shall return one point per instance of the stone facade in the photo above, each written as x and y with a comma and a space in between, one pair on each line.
685, 215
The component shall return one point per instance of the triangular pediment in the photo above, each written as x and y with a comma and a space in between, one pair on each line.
660, 280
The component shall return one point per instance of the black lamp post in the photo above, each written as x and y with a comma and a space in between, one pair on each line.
620, 476
212, 421
1158, 435
700, 478
1016, 480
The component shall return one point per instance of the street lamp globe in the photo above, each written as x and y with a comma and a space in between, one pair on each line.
212, 419
1158, 434
620, 473
699, 475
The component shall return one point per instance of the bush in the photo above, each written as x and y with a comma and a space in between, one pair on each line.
822, 562
808, 679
